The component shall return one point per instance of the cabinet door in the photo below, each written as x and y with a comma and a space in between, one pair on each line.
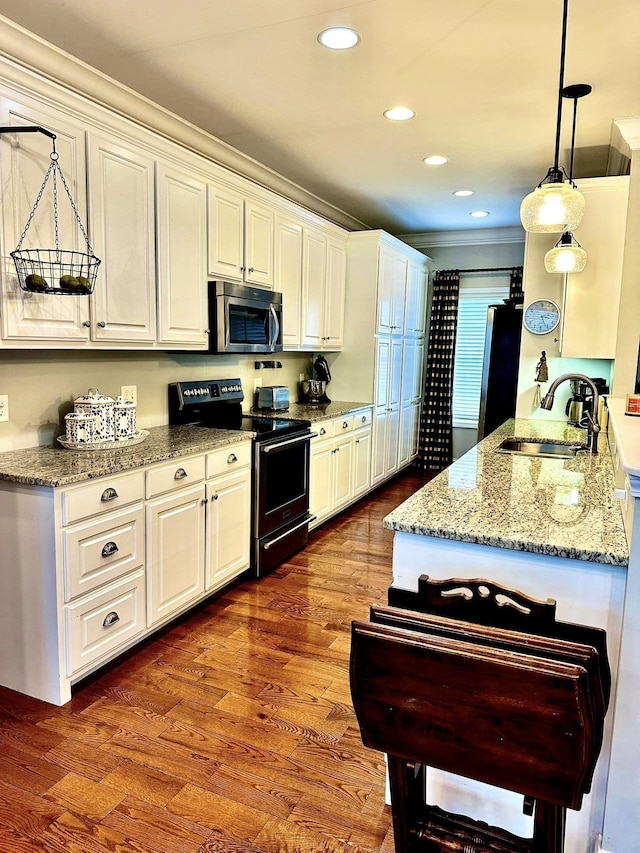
342, 471
121, 217
392, 272
412, 361
395, 371
228, 528
592, 297
175, 556
314, 262
379, 456
361, 462
321, 480
288, 277
415, 300
392, 448
182, 257
335, 294
405, 444
226, 233
24, 160
383, 371
258, 238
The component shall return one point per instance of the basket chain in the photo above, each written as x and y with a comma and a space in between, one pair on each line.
54, 167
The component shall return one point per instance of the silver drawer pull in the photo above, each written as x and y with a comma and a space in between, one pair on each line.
109, 494
231, 458
364, 419
344, 425
323, 431
180, 474
109, 549
110, 619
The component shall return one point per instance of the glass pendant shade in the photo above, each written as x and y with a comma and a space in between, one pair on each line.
566, 256
552, 208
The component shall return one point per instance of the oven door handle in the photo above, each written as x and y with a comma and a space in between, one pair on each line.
275, 541
269, 448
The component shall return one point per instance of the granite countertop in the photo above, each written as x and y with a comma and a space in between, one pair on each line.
305, 412
558, 507
56, 466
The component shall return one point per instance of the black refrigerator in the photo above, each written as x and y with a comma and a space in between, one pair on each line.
500, 367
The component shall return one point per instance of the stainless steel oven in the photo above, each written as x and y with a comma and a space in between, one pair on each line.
244, 319
281, 497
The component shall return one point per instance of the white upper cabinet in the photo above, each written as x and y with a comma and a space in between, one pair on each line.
592, 297
288, 277
323, 290
241, 238
121, 218
24, 160
391, 291
182, 257
415, 300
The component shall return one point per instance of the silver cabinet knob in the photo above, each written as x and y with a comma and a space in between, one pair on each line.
216, 496
101, 324
86, 324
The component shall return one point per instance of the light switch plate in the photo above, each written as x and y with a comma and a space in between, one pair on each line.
4, 407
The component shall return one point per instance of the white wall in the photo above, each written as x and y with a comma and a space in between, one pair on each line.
43, 384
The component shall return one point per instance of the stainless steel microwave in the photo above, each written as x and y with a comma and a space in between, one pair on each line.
244, 319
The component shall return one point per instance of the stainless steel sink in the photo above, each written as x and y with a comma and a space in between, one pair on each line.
551, 449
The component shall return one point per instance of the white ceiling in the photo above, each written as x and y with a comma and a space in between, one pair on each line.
482, 76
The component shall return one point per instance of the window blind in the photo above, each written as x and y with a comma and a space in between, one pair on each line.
470, 335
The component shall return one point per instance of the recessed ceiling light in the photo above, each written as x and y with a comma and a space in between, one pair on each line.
479, 214
398, 113
463, 193
339, 38
436, 160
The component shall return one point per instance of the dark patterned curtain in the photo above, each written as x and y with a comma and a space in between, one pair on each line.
516, 293
435, 450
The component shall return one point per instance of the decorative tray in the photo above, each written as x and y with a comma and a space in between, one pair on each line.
138, 438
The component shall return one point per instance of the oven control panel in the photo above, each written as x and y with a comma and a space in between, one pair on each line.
202, 391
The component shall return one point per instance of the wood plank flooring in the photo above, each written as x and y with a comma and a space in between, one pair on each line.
232, 730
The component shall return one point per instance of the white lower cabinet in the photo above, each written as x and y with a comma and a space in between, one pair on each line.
228, 528
340, 464
175, 552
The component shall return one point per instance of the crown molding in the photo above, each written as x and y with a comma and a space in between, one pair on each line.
28, 51
627, 133
466, 237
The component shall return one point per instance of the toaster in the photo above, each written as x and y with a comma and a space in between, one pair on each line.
273, 398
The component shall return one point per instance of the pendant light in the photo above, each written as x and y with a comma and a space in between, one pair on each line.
554, 205
568, 255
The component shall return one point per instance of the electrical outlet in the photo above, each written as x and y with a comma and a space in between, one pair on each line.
257, 383
302, 377
4, 407
130, 392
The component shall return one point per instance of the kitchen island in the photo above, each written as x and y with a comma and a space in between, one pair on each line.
549, 527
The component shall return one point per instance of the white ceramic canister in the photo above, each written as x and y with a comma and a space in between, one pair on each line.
81, 428
95, 403
125, 418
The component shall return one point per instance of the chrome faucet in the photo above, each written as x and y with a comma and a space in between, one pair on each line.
593, 426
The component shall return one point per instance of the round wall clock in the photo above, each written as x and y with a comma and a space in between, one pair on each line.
541, 316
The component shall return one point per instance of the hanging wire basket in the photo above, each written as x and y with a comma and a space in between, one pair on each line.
59, 271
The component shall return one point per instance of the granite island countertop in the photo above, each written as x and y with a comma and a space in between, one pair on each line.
56, 466
313, 413
558, 507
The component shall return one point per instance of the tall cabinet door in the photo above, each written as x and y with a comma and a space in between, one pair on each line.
288, 276
335, 292
182, 257
175, 552
314, 261
258, 239
24, 160
121, 217
226, 233
415, 300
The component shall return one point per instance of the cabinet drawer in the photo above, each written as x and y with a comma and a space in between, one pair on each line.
97, 552
103, 495
343, 425
176, 475
361, 419
229, 459
98, 624
324, 430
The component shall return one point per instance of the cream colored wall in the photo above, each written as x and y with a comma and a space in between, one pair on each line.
42, 385
629, 320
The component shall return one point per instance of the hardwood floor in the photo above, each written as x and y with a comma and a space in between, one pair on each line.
231, 731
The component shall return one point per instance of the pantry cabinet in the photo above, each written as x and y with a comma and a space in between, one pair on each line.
182, 257
288, 277
40, 319
121, 219
241, 238
323, 291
